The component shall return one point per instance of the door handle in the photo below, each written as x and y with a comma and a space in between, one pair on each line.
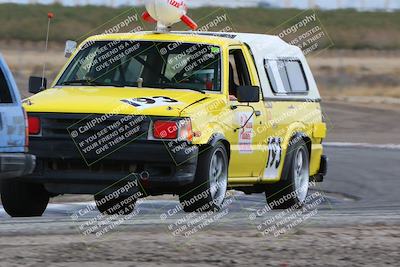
257, 113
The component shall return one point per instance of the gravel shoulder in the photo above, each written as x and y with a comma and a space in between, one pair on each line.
312, 246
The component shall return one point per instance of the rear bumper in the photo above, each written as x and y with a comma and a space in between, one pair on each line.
13, 165
323, 169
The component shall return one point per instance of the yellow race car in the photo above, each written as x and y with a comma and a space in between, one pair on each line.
185, 113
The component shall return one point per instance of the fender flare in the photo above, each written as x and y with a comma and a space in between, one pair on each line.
218, 137
289, 156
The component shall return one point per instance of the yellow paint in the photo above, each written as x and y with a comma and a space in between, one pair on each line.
213, 114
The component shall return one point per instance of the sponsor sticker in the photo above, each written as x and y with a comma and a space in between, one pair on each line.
246, 133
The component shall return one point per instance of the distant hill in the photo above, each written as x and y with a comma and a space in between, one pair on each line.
347, 28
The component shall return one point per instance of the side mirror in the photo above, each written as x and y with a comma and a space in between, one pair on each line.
70, 47
37, 84
248, 94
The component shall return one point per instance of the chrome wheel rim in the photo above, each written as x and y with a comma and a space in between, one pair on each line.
218, 177
301, 174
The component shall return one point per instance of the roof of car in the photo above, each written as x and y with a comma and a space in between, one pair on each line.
267, 45
167, 36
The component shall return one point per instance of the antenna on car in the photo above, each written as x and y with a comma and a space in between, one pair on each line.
50, 16
166, 13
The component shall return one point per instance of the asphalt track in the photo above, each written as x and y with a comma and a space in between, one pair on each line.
362, 187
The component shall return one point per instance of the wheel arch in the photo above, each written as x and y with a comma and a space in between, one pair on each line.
294, 138
307, 140
218, 137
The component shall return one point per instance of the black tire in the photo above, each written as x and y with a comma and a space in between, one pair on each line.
22, 199
287, 193
200, 196
122, 205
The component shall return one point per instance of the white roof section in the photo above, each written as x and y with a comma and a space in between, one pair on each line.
268, 45
265, 47
271, 44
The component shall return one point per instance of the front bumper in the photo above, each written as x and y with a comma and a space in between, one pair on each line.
82, 154
62, 167
13, 165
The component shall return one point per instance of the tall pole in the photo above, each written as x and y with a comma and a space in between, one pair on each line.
49, 17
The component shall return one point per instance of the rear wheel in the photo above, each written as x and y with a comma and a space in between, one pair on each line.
123, 205
292, 190
211, 182
21, 199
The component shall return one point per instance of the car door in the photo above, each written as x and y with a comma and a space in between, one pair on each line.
248, 149
12, 120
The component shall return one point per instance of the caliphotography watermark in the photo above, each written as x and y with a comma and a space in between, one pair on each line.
273, 222
118, 204
97, 136
128, 21
305, 31
181, 148
210, 212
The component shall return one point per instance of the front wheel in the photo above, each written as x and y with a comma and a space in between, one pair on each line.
21, 199
292, 190
211, 182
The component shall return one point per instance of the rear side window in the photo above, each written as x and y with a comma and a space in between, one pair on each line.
286, 76
296, 76
5, 94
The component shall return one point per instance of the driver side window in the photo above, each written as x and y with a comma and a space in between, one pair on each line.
238, 72
5, 94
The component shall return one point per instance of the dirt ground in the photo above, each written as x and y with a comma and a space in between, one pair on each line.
351, 122
308, 246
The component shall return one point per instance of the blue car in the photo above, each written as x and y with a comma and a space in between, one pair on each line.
14, 159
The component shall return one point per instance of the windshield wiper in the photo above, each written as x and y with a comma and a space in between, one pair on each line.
197, 90
89, 82
82, 82
179, 86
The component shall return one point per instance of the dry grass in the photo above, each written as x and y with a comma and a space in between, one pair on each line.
338, 73
348, 28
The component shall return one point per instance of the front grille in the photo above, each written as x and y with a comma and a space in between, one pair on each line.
59, 126
88, 138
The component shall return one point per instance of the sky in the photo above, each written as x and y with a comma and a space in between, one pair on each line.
326, 4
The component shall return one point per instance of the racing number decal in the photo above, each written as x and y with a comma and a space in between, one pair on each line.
148, 102
274, 157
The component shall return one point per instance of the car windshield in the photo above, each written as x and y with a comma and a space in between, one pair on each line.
146, 64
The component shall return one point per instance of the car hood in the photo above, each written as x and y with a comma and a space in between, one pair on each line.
105, 100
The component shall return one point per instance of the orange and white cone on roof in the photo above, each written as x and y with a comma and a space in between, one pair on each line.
166, 13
